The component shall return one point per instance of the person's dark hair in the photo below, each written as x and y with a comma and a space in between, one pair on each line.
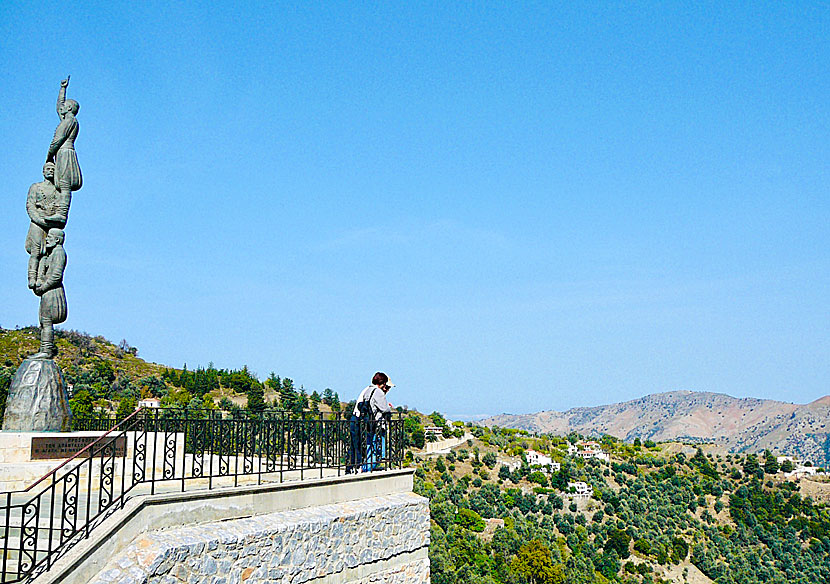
380, 378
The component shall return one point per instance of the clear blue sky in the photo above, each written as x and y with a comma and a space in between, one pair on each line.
506, 206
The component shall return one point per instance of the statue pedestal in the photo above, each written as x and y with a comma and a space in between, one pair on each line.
37, 400
20, 464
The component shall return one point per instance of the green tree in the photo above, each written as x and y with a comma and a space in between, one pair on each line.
643, 546
125, 407
152, 386
539, 478
608, 564
418, 437
751, 466
196, 404
770, 463
103, 370
81, 403
256, 397
489, 459
443, 513
274, 383
533, 565
6, 374
288, 396
680, 549
704, 465
469, 519
618, 541
300, 402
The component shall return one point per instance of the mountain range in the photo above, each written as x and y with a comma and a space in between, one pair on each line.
739, 424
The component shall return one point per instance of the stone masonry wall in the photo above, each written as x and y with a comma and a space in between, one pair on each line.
374, 540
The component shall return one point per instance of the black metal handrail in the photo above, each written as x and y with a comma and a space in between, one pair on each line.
163, 449
88, 448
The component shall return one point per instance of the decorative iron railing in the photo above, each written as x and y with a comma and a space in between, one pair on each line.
98, 422
155, 450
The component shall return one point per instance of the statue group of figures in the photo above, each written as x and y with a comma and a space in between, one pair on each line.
37, 399
48, 207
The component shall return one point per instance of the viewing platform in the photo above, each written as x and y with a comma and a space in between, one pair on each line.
263, 497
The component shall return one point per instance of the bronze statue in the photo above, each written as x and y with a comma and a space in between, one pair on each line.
37, 399
47, 208
49, 287
62, 149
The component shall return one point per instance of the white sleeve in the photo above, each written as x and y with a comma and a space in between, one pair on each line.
379, 403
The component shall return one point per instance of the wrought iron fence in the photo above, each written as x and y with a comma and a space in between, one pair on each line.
161, 449
98, 422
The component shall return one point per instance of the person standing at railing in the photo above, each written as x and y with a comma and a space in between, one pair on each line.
377, 411
362, 421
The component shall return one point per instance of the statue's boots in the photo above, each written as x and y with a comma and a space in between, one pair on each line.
33, 263
47, 351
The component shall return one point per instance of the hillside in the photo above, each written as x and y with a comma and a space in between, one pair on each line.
104, 376
740, 424
649, 515
75, 351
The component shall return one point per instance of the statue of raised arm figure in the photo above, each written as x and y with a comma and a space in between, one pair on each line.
62, 149
37, 400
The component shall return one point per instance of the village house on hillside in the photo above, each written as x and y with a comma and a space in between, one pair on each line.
581, 490
434, 432
802, 471
150, 402
538, 459
588, 449
799, 469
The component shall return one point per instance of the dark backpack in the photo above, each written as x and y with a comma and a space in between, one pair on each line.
365, 406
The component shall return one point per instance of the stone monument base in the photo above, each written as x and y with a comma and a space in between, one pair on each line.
37, 400
19, 466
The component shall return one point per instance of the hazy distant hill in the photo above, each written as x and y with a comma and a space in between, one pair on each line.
747, 424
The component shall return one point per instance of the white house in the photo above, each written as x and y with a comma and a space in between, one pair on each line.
436, 431
592, 450
582, 490
538, 459
802, 471
150, 402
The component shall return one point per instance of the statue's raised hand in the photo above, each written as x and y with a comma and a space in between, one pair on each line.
65, 82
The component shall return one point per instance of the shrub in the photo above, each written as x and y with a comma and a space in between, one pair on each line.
469, 519
539, 478
489, 459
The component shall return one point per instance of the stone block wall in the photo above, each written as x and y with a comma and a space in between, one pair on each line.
374, 540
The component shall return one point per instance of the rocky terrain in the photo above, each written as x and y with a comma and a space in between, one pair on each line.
739, 424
